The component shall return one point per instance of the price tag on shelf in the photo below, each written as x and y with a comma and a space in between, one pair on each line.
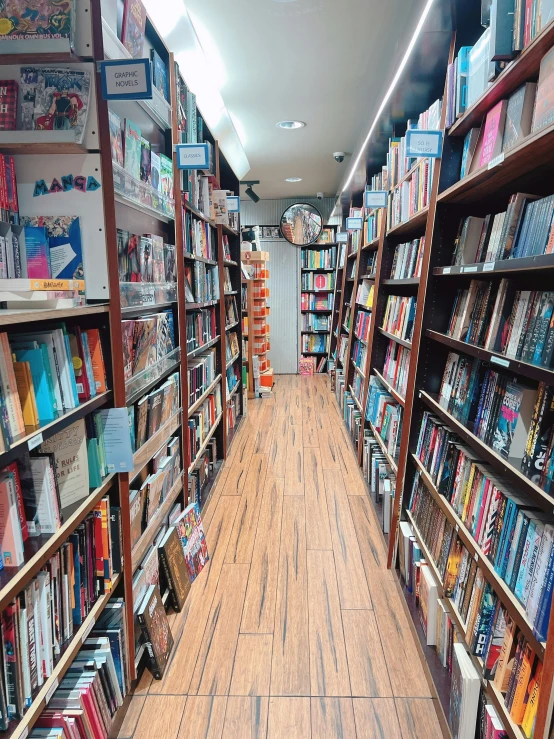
500, 361
488, 267
423, 143
496, 161
51, 691
375, 199
148, 294
35, 441
470, 268
446, 270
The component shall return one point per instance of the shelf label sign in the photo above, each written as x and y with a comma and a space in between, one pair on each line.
342, 238
375, 199
126, 79
35, 441
233, 204
423, 143
193, 156
354, 224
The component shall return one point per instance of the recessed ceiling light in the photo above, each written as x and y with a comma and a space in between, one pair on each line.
293, 179
291, 124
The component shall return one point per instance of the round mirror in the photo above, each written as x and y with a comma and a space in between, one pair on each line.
301, 224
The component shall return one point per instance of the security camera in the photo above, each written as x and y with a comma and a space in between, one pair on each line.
339, 156
320, 196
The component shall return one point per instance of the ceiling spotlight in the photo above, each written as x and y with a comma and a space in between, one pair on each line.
293, 179
249, 191
291, 124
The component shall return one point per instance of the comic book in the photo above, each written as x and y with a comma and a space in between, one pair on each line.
54, 99
166, 176
42, 19
191, 532
155, 165
64, 241
159, 74
116, 139
145, 259
144, 343
132, 149
134, 24
128, 330
145, 161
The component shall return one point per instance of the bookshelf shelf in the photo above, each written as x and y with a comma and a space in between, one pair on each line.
520, 163
234, 390
395, 394
497, 699
232, 361
14, 317
355, 399
200, 349
524, 264
532, 371
198, 214
506, 596
352, 255
231, 292
372, 245
147, 536
205, 443
524, 68
154, 443
53, 427
204, 395
195, 258
229, 231
308, 269
525, 485
408, 281
230, 263
231, 325
318, 310
23, 727
199, 306
39, 549
36, 143
384, 449
392, 337
140, 310
358, 370
413, 225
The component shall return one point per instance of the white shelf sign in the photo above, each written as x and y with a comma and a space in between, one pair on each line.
423, 143
126, 79
342, 238
233, 204
354, 224
375, 198
35, 441
193, 156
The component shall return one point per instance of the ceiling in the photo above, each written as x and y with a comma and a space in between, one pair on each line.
325, 62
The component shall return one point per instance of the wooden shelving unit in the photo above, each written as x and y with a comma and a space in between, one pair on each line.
310, 278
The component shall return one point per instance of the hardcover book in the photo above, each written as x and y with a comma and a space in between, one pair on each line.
155, 628
8, 105
69, 448
191, 532
544, 101
43, 19
133, 27
159, 74
174, 568
494, 131
64, 245
519, 115
116, 138
132, 149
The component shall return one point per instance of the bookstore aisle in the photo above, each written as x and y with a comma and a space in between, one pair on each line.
295, 628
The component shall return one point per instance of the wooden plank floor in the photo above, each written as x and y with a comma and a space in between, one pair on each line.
295, 628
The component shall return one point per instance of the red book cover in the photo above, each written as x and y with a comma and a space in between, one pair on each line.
494, 131
15, 204
8, 104
20, 509
544, 101
134, 23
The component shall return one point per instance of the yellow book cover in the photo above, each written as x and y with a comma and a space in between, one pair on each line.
26, 392
474, 604
452, 567
517, 711
502, 674
528, 723
467, 490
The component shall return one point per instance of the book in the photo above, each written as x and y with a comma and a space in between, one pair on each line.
132, 152
64, 249
519, 115
49, 20
191, 533
145, 164
160, 78
493, 133
174, 569
133, 27
544, 100
464, 694
8, 104
155, 628
69, 449
116, 138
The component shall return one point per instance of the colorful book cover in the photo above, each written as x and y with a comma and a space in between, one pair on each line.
8, 104
494, 131
133, 27
155, 171
127, 330
132, 149
544, 101
116, 138
166, 176
145, 164
55, 99
37, 253
174, 569
144, 343
191, 532
37, 19
64, 245
159, 74
155, 628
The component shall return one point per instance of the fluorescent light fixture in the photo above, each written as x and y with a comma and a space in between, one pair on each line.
293, 179
290, 125
393, 84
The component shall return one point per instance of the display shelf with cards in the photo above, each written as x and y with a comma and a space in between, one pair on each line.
340, 276
255, 263
317, 293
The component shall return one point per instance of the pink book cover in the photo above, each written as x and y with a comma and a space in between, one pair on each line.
494, 131
10, 533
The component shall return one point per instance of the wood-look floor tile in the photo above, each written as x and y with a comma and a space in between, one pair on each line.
246, 718
353, 589
309, 426
203, 718
332, 718
290, 665
261, 593
376, 719
214, 666
252, 667
370, 541
348, 463
277, 454
289, 718
238, 469
318, 533
243, 534
294, 474
366, 662
191, 622
160, 716
328, 663
417, 718
327, 443
132, 716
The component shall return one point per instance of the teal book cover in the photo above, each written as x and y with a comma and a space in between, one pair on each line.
43, 398
94, 475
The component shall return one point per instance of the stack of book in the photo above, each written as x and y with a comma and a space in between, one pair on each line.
325, 282
381, 479
147, 340
231, 347
319, 258
201, 283
231, 312
385, 415
359, 353
399, 316
198, 238
407, 259
363, 324
153, 410
201, 422
352, 416
315, 323
310, 301
315, 343
396, 366
372, 225
201, 373
201, 328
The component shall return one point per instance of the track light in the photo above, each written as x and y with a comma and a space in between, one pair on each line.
249, 191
